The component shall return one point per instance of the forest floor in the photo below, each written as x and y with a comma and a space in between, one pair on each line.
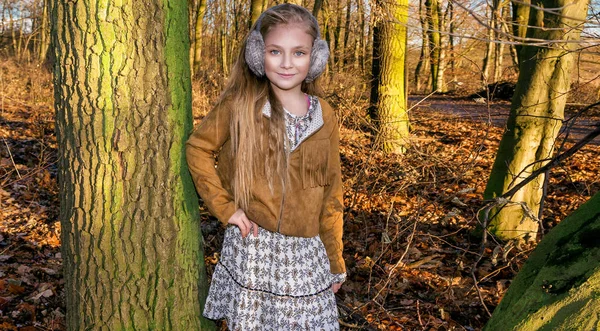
413, 263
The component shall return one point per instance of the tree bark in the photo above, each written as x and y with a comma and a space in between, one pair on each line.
424, 55
338, 50
317, 8
256, 8
361, 57
44, 33
389, 95
436, 57
557, 288
327, 35
520, 17
200, 11
499, 56
344, 47
131, 241
536, 115
451, 35
491, 43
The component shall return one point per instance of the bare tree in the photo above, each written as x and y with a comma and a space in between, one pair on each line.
536, 114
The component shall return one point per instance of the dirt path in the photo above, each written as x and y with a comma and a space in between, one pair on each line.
496, 113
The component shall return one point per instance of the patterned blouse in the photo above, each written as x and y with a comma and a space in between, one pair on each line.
300, 127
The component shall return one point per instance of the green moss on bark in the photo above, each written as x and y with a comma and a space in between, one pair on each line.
558, 288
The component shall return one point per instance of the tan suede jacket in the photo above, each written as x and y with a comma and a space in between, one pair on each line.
311, 202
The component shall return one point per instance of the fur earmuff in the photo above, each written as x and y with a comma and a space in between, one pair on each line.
255, 53
318, 59
255, 50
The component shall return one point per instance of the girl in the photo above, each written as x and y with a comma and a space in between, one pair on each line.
277, 180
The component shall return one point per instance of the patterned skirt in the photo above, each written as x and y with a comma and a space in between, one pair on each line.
272, 282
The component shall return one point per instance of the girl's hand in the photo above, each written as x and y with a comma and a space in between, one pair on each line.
335, 287
240, 220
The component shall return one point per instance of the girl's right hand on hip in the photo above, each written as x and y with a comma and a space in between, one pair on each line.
245, 225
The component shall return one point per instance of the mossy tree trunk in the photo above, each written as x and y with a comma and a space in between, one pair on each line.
131, 241
389, 93
536, 114
558, 288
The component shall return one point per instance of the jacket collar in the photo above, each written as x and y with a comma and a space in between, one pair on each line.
316, 120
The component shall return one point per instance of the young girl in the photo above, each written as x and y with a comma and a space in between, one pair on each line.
276, 179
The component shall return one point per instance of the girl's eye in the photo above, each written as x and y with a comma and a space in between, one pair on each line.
299, 53
274, 52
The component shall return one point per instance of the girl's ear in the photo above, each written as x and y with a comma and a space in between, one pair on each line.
255, 53
318, 59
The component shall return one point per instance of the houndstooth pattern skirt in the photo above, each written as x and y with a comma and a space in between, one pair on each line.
272, 282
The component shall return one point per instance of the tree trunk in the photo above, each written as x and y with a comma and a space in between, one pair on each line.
361, 58
536, 115
499, 56
256, 8
131, 241
200, 11
424, 55
390, 97
507, 32
435, 43
317, 7
337, 51
520, 17
344, 48
223, 43
557, 288
451, 35
13, 34
44, 33
491, 44
327, 34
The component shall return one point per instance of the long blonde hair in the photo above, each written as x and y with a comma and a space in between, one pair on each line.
246, 94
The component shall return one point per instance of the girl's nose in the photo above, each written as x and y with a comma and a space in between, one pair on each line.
286, 61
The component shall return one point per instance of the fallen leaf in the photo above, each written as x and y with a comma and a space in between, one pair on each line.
4, 301
4, 258
29, 328
8, 327
28, 308
15, 289
23, 270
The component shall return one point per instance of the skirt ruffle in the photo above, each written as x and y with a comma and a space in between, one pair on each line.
272, 282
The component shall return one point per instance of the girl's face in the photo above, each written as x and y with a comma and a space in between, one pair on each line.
287, 56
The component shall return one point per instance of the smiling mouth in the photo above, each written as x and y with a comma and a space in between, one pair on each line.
286, 75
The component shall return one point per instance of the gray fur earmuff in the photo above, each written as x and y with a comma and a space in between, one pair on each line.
255, 49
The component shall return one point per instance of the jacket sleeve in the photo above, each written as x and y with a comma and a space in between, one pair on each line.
331, 220
201, 148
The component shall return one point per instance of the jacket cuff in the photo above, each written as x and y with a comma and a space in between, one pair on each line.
337, 266
338, 278
226, 214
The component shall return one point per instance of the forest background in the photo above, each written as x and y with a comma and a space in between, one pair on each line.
416, 260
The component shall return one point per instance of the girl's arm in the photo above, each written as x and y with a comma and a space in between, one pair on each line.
201, 147
331, 221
